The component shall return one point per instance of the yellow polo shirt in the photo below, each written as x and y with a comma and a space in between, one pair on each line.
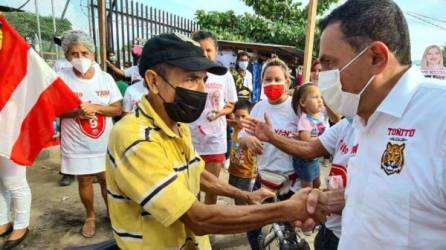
153, 178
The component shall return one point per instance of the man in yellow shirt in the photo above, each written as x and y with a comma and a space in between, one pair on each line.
153, 172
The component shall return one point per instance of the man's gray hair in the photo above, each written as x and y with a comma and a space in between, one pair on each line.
69, 38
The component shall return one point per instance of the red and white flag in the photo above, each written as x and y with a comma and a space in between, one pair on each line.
31, 96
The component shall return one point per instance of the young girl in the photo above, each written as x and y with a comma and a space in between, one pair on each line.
307, 101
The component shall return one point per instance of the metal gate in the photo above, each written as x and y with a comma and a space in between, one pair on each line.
129, 20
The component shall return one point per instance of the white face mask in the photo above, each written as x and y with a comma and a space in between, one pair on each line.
81, 64
243, 65
339, 101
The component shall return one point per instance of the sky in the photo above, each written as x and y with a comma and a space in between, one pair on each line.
422, 34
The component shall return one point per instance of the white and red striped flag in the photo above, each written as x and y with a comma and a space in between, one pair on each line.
31, 96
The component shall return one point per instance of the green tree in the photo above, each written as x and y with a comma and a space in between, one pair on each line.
26, 24
274, 21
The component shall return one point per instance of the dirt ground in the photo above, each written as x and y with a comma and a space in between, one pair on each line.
57, 214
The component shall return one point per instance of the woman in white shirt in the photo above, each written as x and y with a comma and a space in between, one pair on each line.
284, 120
275, 82
85, 130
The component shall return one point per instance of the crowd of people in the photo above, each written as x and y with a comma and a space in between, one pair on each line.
155, 145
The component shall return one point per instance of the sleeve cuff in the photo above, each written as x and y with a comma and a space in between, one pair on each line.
186, 203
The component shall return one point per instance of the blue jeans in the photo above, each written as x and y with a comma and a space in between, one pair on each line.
253, 235
242, 184
252, 238
307, 170
325, 239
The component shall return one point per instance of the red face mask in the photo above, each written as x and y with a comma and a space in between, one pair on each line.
274, 92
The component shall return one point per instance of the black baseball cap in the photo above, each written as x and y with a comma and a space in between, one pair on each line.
177, 50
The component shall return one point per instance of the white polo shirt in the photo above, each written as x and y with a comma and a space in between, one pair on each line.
396, 191
339, 141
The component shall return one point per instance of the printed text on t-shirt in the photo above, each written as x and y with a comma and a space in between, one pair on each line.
102, 93
343, 148
282, 132
401, 132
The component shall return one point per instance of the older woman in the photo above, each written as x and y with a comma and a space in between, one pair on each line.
85, 131
14, 190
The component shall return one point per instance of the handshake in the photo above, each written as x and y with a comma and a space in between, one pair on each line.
310, 207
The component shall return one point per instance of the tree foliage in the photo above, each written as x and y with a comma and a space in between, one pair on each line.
274, 21
444, 53
26, 24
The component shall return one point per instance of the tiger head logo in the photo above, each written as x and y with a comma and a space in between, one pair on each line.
392, 160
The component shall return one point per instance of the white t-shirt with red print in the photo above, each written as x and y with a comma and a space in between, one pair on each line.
340, 142
284, 122
209, 137
88, 138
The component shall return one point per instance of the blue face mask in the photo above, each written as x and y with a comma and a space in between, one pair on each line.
243, 65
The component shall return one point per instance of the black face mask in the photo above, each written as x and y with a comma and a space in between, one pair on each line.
187, 105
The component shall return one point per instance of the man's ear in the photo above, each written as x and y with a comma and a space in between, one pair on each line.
380, 56
151, 81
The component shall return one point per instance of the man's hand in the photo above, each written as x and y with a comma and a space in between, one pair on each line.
253, 144
258, 196
320, 204
331, 201
262, 130
297, 211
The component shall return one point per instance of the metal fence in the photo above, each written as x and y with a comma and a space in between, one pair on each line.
129, 20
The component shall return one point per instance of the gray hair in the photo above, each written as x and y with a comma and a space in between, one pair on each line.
76, 36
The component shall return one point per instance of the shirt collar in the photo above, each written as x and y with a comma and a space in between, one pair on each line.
148, 112
398, 98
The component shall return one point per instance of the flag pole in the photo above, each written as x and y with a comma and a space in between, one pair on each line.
54, 28
102, 30
309, 39
38, 28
